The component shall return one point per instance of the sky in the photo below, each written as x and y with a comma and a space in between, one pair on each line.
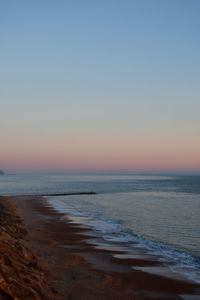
100, 85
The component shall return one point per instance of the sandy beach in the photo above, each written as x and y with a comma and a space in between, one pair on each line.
100, 150
45, 256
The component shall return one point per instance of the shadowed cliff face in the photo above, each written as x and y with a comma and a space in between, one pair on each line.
21, 276
1, 172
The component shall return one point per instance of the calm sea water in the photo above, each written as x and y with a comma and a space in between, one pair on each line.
159, 214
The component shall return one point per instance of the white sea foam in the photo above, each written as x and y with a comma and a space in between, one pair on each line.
177, 261
157, 208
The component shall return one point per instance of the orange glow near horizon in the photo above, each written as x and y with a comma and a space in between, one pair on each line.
110, 86
107, 154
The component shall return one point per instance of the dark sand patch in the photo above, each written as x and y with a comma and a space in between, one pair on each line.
75, 269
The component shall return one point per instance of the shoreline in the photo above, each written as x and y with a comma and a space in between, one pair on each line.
76, 269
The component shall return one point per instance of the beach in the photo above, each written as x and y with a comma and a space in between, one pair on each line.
46, 256
99, 155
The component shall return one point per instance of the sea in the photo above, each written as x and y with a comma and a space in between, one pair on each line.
157, 214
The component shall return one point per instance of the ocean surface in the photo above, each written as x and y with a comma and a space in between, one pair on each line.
157, 214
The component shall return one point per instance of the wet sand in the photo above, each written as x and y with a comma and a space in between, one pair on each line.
73, 263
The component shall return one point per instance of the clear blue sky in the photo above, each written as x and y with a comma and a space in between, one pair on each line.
100, 84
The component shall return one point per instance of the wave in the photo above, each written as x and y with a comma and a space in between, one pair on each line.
178, 261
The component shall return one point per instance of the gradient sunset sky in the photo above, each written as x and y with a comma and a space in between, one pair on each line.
100, 85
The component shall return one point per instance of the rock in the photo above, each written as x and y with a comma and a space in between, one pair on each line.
21, 276
2, 173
